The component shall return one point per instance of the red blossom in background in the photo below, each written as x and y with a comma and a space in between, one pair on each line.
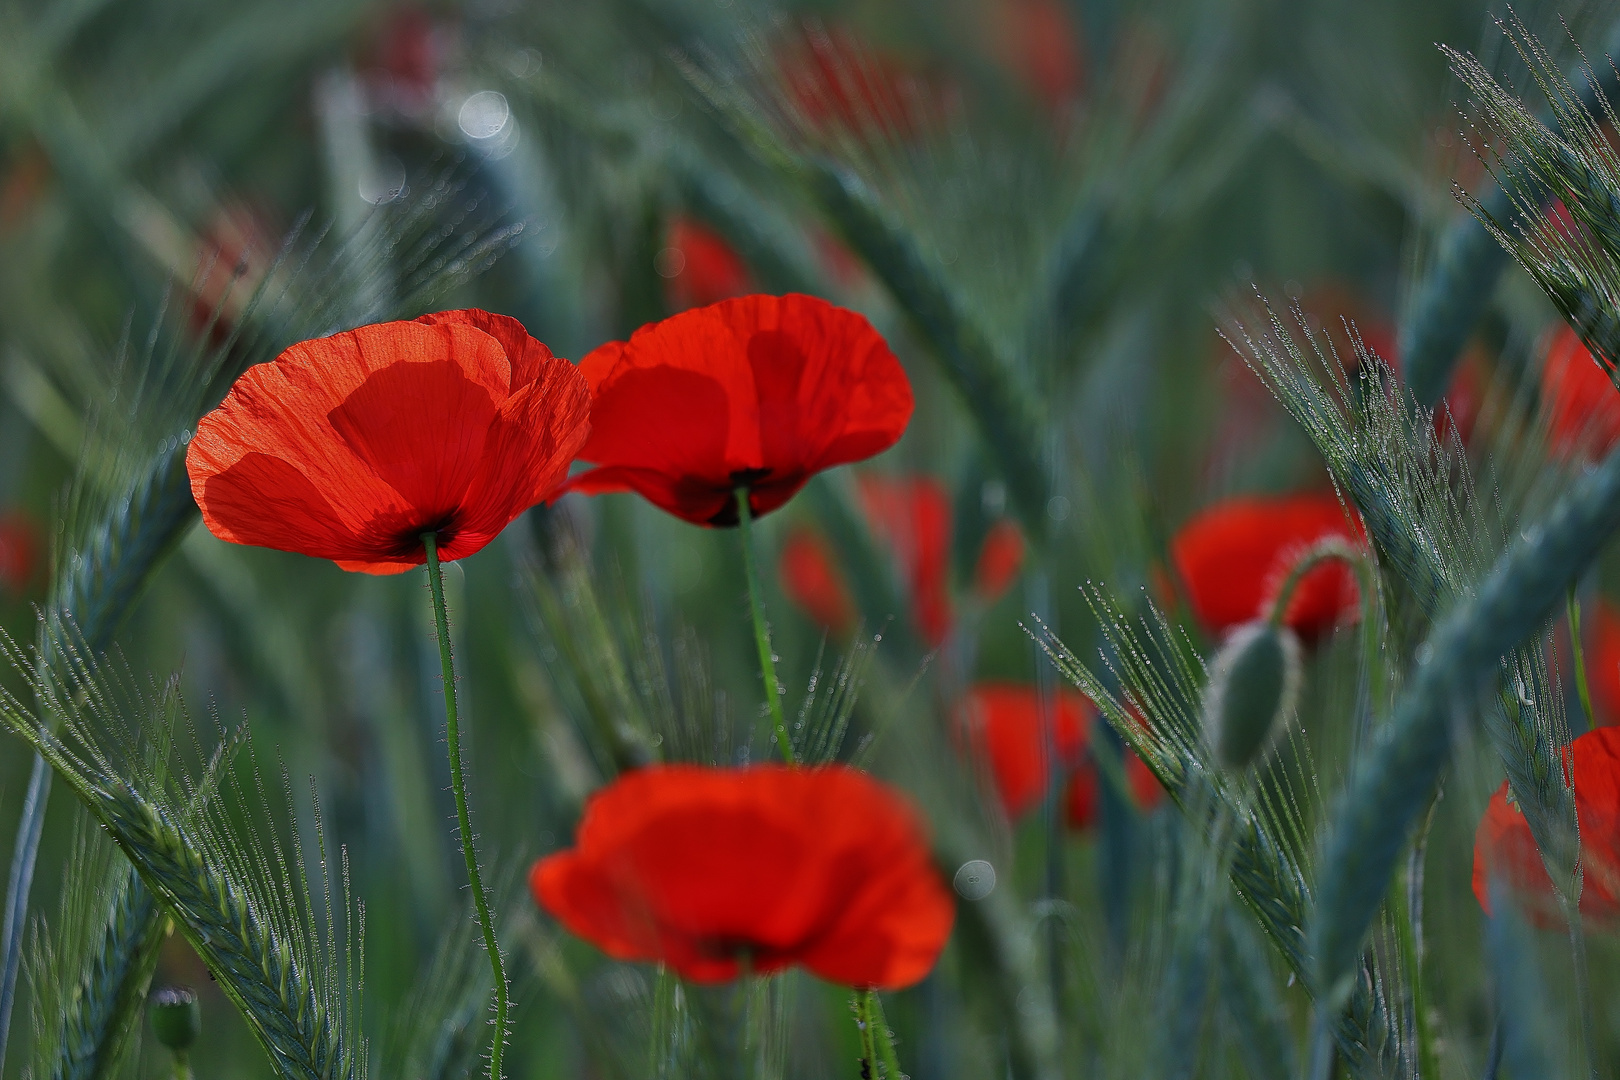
760, 392
1006, 725
811, 581
19, 550
233, 253
1504, 847
705, 869
1581, 403
1600, 625
837, 81
1038, 42
1001, 560
1233, 556
350, 447
701, 267
403, 69
1085, 789
912, 516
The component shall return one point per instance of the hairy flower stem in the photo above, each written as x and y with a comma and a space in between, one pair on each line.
452, 730
884, 1039
863, 1023
762, 633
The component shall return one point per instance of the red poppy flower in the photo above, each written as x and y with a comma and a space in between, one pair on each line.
912, 515
1581, 403
1006, 725
1233, 557
350, 447
1083, 796
1503, 845
761, 391
233, 253
19, 550
1001, 559
407, 55
837, 82
1601, 625
701, 267
769, 866
1038, 42
812, 581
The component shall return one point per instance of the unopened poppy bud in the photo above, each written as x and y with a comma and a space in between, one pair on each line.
176, 1017
1253, 685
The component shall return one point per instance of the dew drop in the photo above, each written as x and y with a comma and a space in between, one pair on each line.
975, 879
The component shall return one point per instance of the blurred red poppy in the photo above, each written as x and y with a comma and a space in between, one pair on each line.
19, 550
759, 392
1007, 725
1581, 403
837, 81
1082, 798
1600, 624
350, 447
711, 870
233, 253
1039, 44
1001, 560
1504, 847
1233, 557
812, 581
912, 515
701, 267
407, 55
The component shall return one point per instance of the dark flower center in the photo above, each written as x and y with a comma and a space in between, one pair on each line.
726, 516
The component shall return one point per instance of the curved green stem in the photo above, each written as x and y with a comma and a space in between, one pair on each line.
452, 728
762, 634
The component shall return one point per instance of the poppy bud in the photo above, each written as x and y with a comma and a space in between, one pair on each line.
1253, 685
176, 1017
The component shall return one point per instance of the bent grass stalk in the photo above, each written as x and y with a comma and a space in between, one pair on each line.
762, 633
452, 728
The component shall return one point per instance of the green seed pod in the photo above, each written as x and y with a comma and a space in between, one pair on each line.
1253, 686
176, 1017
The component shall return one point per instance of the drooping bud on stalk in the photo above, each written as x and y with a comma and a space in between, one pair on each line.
1253, 685
176, 1021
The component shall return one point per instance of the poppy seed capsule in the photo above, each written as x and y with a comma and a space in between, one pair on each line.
1253, 685
176, 1017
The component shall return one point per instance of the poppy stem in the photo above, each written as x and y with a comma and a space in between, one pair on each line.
458, 784
883, 1038
1330, 547
762, 633
863, 1024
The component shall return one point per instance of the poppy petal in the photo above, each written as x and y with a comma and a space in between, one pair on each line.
265, 501
527, 356
759, 390
350, 447
703, 868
